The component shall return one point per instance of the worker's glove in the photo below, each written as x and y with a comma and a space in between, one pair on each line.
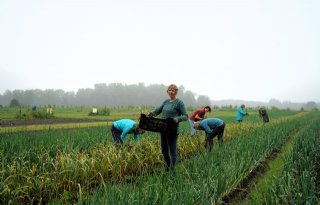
176, 120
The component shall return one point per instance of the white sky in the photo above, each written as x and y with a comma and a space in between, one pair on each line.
225, 49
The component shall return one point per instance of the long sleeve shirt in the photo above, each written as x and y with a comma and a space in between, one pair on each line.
240, 113
200, 112
209, 124
126, 126
174, 109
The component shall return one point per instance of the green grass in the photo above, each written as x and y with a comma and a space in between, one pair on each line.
63, 164
228, 115
275, 167
204, 179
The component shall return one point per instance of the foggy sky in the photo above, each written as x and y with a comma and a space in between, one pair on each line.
225, 49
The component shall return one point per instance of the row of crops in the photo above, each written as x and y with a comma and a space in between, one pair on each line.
208, 178
300, 175
65, 166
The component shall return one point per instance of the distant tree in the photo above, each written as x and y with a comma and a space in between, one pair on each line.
110, 95
275, 103
189, 99
203, 100
14, 103
215, 107
311, 105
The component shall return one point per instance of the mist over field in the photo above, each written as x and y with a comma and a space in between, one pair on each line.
117, 94
225, 49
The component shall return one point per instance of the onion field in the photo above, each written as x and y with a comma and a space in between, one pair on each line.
80, 164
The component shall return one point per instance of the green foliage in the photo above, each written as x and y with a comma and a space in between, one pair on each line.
190, 109
41, 115
38, 114
299, 181
14, 103
104, 112
68, 165
205, 178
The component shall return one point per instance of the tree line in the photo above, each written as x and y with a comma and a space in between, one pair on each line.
118, 94
110, 95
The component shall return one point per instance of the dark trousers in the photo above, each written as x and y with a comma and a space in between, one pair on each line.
265, 118
169, 149
218, 131
116, 135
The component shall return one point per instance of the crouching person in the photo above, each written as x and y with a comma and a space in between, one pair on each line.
121, 128
212, 127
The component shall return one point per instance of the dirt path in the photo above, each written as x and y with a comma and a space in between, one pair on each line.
14, 123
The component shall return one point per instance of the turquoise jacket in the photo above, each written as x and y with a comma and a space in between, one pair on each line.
240, 113
209, 124
126, 126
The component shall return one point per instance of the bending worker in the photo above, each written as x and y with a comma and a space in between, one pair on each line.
121, 128
212, 128
198, 115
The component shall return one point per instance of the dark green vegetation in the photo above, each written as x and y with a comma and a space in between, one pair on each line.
112, 95
82, 165
212, 178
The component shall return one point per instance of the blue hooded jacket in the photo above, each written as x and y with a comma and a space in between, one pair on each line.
240, 113
126, 126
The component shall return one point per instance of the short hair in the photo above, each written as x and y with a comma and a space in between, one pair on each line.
173, 86
243, 106
208, 107
138, 130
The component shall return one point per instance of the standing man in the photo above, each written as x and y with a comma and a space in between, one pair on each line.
198, 115
212, 127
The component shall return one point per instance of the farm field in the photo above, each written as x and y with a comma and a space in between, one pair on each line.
272, 163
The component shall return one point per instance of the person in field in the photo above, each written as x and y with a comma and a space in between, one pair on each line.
212, 127
196, 116
263, 114
121, 128
172, 108
241, 113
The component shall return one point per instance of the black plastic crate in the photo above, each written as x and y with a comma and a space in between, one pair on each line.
157, 125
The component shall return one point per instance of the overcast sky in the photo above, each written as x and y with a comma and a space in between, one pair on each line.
225, 49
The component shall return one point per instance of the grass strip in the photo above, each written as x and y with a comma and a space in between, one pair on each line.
29, 128
260, 185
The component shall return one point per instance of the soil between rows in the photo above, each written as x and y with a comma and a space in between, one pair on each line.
13, 123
